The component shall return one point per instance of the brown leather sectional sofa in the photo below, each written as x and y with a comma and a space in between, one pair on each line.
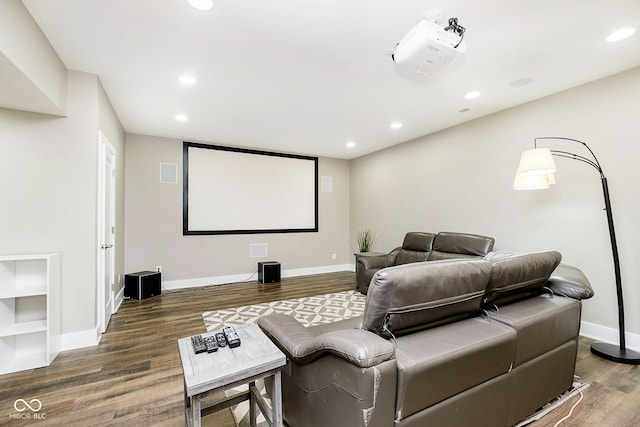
472, 342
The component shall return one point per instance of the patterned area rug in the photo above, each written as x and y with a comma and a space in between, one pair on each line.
314, 310
309, 311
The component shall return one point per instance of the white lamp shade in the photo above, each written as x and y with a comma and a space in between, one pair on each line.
530, 182
537, 161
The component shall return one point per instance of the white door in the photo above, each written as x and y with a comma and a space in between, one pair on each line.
106, 230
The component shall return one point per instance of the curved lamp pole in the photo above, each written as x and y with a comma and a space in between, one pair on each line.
536, 171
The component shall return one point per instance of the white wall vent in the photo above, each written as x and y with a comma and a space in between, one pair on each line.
168, 173
258, 250
326, 184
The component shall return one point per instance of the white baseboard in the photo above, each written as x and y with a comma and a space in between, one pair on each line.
118, 299
247, 277
317, 270
74, 340
609, 335
88, 338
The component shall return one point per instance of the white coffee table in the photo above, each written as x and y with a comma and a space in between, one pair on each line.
257, 357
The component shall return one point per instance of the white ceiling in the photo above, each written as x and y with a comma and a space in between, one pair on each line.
306, 76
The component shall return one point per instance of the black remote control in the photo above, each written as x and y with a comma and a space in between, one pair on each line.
232, 336
198, 344
222, 341
211, 344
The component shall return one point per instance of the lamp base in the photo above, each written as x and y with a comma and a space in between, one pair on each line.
613, 352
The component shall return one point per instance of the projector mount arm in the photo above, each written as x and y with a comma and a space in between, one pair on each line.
455, 28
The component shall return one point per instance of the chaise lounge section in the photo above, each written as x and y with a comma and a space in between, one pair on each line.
478, 342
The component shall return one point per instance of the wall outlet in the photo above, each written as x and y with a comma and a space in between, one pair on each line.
159, 268
333, 256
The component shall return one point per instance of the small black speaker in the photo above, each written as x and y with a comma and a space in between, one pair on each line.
143, 284
268, 272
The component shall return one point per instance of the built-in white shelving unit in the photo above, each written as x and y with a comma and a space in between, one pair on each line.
29, 311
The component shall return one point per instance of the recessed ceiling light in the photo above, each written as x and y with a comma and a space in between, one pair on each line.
201, 4
620, 34
472, 94
186, 79
396, 125
521, 82
350, 144
181, 118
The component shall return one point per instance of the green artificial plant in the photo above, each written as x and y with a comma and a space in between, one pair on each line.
365, 240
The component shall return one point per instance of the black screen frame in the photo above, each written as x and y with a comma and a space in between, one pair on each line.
185, 191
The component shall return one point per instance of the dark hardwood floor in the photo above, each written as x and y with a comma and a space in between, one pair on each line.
133, 377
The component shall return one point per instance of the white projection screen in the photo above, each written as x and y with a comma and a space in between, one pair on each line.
238, 191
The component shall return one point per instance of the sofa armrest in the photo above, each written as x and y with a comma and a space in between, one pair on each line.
378, 261
366, 267
357, 346
571, 282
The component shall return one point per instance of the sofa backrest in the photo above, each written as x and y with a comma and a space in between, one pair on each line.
415, 247
448, 245
411, 297
519, 276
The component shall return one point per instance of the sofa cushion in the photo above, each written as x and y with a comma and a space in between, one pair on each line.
418, 241
542, 323
415, 248
448, 245
519, 276
405, 257
438, 363
411, 297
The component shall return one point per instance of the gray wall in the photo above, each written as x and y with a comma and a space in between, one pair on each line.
153, 226
461, 179
33, 76
48, 170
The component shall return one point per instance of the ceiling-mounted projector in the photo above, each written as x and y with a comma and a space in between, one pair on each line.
429, 47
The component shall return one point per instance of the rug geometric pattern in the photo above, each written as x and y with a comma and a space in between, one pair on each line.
313, 310
309, 311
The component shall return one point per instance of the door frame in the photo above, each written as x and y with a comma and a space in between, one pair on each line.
106, 156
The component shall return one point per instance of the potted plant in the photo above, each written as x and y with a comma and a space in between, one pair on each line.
366, 239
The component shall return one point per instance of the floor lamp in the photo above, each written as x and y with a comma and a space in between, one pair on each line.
536, 171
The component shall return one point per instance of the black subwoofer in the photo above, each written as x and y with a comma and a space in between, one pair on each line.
268, 272
143, 284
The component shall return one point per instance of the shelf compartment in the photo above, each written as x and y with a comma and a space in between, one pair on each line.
23, 315
23, 276
21, 352
29, 311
